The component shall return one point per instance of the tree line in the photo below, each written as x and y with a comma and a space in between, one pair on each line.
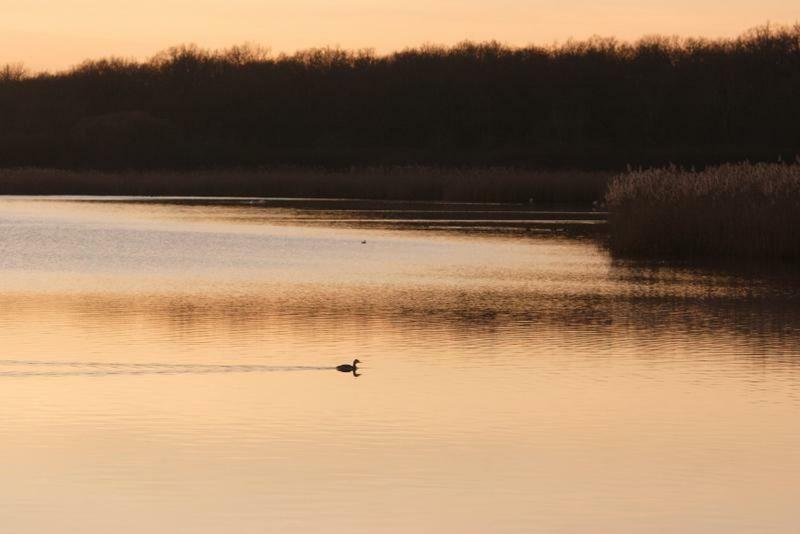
594, 104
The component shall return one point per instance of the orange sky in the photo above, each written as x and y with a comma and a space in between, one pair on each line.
55, 34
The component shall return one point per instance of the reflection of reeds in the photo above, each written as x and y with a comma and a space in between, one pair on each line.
400, 183
736, 210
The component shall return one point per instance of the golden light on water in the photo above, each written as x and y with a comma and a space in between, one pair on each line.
51, 34
168, 367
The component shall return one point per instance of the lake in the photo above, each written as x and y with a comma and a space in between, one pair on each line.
167, 366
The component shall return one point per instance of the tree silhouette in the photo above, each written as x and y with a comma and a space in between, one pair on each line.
594, 104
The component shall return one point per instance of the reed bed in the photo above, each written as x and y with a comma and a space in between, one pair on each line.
734, 210
488, 184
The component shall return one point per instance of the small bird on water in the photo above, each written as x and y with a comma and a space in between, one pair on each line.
347, 368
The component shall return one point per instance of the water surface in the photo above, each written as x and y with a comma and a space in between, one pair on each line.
167, 366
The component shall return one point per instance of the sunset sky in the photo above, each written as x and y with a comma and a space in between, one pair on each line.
54, 34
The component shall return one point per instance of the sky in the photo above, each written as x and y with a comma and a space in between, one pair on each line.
56, 34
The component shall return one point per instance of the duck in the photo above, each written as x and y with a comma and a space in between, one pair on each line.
347, 368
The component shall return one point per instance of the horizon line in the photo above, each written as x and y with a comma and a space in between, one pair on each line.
266, 53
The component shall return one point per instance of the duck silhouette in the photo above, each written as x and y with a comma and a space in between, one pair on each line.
347, 368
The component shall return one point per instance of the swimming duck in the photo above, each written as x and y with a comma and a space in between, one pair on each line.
347, 368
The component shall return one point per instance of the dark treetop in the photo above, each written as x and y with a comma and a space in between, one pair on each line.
597, 104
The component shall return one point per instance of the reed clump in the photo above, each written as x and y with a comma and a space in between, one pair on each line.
738, 210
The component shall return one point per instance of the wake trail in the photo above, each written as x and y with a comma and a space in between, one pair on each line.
94, 368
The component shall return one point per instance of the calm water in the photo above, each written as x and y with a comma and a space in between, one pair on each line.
167, 368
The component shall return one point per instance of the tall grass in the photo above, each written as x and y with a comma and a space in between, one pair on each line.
735, 210
473, 184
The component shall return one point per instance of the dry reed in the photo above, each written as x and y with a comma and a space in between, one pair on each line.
485, 184
735, 210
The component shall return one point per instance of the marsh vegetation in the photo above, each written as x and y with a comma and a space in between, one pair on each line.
484, 184
735, 210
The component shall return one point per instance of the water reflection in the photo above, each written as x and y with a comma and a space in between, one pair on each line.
631, 322
196, 348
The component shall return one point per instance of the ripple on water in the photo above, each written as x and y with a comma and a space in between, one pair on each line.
172, 366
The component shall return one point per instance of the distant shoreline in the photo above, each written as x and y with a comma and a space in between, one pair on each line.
417, 183
744, 210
